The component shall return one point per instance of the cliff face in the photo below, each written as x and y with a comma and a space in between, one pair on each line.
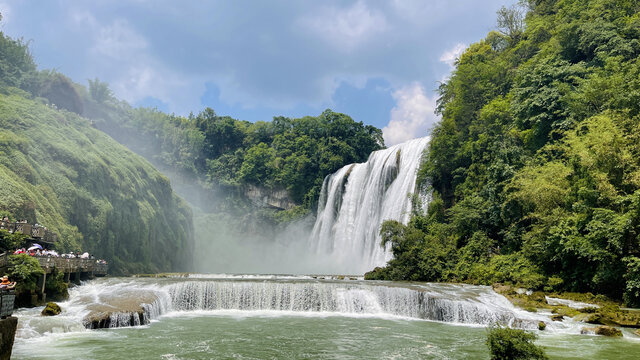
273, 198
57, 170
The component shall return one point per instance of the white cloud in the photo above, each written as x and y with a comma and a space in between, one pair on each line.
346, 28
450, 56
5, 10
118, 40
412, 116
121, 56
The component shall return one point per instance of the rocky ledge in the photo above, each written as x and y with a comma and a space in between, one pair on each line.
120, 311
586, 308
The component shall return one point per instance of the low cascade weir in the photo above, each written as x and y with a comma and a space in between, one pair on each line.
110, 304
480, 308
355, 200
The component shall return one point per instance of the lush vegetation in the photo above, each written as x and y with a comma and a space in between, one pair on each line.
58, 170
513, 344
25, 271
535, 165
9, 241
230, 155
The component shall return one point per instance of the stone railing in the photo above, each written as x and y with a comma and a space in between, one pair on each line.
64, 265
72, 265
6, 302
36, 232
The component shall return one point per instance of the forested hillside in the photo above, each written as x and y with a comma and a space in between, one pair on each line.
535, 166
228, 154
59, 171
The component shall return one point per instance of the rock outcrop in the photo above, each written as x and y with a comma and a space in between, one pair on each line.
7, 335
274, 198
120, 311
51, 309
602, 330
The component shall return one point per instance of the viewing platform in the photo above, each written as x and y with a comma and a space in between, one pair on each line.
85, 268
35, 232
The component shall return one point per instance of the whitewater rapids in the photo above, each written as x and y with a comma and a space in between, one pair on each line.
276, 295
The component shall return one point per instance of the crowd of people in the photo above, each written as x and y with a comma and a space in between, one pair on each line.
53, 253
39, 251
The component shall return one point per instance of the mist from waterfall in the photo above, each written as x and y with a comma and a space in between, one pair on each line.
355, 201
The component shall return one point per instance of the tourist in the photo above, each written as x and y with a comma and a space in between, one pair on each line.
5, 284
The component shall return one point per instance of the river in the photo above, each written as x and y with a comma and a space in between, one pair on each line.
293, 317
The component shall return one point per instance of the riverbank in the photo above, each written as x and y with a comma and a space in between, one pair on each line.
587, 308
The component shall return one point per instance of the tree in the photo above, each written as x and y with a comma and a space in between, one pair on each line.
100, 92
25, 271
513, 344
511, 22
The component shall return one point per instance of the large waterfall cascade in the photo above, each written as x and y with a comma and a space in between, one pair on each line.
355, 201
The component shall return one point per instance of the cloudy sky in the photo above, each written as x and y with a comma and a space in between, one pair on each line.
378, 61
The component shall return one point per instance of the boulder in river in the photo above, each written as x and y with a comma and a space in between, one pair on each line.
51, 309
557, 317
602, 330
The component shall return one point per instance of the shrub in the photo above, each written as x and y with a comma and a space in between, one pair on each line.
632, 277
511, 344
25, 272
9, 241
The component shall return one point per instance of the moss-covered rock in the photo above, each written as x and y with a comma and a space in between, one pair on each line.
604, 311
564, 311
51, 309
608, 331
542, 325
557, 317
602, 330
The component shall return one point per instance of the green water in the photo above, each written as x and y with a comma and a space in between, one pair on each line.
246, 335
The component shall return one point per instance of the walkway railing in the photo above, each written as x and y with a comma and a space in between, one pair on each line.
72, 265
36, 232
64, 265
6, 302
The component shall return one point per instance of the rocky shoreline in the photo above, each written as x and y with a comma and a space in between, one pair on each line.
606, 314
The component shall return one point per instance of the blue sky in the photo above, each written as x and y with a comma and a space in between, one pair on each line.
378, 61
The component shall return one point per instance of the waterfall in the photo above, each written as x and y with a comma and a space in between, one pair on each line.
111, 303
355, 200
483, 307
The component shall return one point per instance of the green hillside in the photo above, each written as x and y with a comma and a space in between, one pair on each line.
59, 171
228, 155
535, 166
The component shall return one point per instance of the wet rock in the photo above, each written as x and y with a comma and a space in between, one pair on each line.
637, 332
589, 318
52, 309
125, 310
608, 331
7, 335
557, 317
594, 319
601, 330
105, 320
542, 325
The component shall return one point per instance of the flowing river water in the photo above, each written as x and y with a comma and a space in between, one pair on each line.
291, 317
